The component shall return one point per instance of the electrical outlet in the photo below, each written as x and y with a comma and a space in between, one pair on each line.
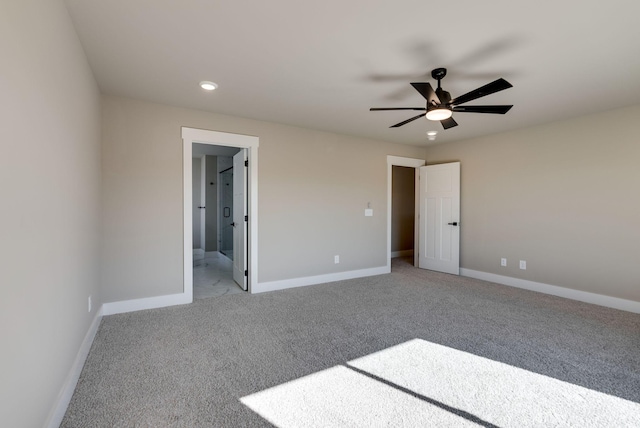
503, 262
336, 259
523, 264
89, 303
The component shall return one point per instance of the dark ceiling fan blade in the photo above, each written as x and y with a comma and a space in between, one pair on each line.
489, 88
396, 108
427, 92
448, 123
482, 109
407, 121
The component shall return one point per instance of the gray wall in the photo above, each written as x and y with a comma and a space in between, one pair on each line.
196, 186
563, 197
211, 224
224, 162
225, 199
50, 209
402, 208
313, 189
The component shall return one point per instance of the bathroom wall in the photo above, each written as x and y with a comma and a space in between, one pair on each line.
197, 188
211, 223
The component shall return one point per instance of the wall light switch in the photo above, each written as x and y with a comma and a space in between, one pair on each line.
336, 259
368, 212
523, 264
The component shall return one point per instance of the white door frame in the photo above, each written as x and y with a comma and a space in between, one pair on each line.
201, 136
412, 163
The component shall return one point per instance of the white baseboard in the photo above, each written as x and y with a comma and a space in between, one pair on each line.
198, 254
145, 303
403, 253
318, 279
568, 293
64, 397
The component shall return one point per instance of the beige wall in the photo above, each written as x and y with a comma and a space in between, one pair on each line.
403, 208
562, 196
50, 209
313, 189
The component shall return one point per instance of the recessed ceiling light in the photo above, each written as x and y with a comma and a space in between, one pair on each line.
207, 85
432, 133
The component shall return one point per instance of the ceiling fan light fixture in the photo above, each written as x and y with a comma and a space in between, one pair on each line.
440, 113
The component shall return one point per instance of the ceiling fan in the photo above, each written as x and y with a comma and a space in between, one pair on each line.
440, 106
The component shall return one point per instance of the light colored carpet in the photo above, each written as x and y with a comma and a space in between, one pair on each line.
419, 382
218, 361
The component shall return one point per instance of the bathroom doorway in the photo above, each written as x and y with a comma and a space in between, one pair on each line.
213, 243
245, 257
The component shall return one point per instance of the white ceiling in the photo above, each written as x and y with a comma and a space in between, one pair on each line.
323, 64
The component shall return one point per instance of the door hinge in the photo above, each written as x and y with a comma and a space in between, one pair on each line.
246, 218
246, 163
246, 273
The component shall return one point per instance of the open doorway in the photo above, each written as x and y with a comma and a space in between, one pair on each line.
212, 190
403, 210
411, 164
437, 214
205, 146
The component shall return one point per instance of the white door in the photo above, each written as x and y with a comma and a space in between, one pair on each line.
239, 219
439, 228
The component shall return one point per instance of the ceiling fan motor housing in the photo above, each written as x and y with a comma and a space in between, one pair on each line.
444, 96
438, 73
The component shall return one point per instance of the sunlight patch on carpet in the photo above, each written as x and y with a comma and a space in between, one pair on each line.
419, 383
340, 397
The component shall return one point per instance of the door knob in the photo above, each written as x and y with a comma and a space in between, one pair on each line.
233, 224
455, 223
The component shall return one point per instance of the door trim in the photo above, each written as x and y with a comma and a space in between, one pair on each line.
216, 138
412, 163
